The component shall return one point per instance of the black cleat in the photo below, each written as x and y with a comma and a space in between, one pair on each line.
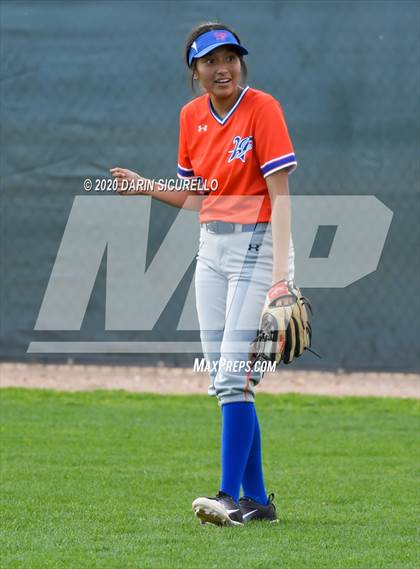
252, 510
220, 510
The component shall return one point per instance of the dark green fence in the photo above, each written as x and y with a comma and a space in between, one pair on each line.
89, 85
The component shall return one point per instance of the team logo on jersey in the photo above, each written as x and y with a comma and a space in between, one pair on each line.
242, 146
202, 128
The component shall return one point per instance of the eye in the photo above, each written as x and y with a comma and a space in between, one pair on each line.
231, 57
209, 61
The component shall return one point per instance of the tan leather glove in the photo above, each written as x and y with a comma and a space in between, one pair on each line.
284, 330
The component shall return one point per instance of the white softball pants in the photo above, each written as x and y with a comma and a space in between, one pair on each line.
233, 275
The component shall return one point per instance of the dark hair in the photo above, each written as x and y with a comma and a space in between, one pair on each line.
201, 29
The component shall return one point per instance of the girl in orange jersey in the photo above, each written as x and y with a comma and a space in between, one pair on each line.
238, 136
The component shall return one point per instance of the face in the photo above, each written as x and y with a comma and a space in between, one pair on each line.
219, 72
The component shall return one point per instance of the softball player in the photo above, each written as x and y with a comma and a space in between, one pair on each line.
238, 136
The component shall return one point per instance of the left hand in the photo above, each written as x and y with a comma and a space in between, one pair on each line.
284, 330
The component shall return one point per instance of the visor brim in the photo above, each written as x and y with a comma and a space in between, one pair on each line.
239, 48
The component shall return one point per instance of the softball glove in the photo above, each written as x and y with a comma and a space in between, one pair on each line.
284, 330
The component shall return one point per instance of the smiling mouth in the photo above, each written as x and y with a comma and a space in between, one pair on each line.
222, 81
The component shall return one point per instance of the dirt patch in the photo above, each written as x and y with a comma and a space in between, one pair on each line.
186, 381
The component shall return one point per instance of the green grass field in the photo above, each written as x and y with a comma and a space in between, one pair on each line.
106, 479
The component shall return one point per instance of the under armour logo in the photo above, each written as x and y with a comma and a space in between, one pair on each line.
242, 146
202, 127
255, 247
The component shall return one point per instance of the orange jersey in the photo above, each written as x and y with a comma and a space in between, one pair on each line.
239, 151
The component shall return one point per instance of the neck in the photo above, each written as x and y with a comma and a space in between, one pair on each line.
223, 105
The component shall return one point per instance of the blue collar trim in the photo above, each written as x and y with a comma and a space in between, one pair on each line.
232, 110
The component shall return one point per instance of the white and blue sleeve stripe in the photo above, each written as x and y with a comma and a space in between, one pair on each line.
185, 173
286, 161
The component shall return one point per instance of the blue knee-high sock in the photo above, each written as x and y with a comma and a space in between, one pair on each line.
238, 421
253, 479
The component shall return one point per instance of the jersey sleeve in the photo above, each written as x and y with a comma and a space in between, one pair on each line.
272, 141
185, 169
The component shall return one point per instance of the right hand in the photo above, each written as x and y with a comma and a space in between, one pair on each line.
131, 181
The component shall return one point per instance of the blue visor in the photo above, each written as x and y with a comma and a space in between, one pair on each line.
212, 39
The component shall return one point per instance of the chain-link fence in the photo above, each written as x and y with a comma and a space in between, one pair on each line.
89, 85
